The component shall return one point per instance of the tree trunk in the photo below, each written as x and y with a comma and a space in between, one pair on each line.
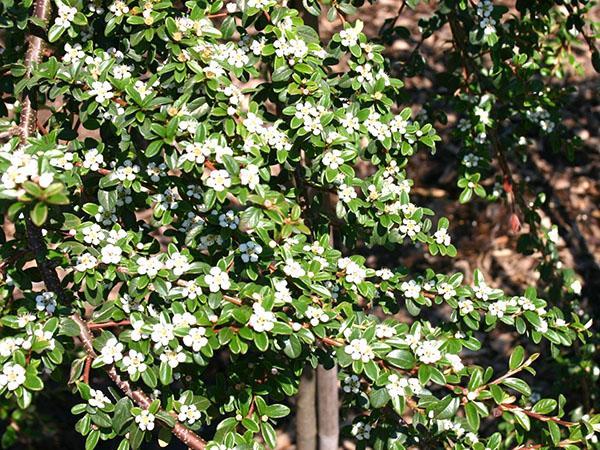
306, 413
328, 408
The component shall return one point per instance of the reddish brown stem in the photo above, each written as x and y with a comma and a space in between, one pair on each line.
184, 434
537, 416
96, 326
87, 369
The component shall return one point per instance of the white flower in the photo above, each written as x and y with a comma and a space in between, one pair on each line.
85, 262
189, 414
455, 362
65, 15
293, 269
98, 399
414, 386
65, 161
126, 172
411, 289
149, 266
143, 89
315, 248
282, 292
498, 308
93, 160
472, 438
12, 376
446, 290
350, 122
354, 272
428, 352
385, 274
196, 338
249, 176
173, 357
349, 36
162, 333
346, 193
73, 54
190, 289
396, 386
196, 152
442, 237
410, 227
9, 345
119, 8
383, 331
316, 315
111, 254
543, 326
184, 320
361, 431
217, 280
229, 220
360, 350
178, 264
24, 318
219, 180
136, 332
102, 90
250, 251
523, 302
112, 351
145, 420
121, 71
553, 235
134, 362
351, 384
261, 319
333, 159
465, 306
576, 287
482, 291
46, 301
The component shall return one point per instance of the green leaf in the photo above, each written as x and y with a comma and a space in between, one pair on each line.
379, 397
283, 73
545, 406
39, 214
472, 416
269, 434
92, 440
250, 425
522, 419
33, 383
149, 377
401, 358
165, 373
55, 32
276, 411
516, 358
122, 414
136, 436
554, 430
262, 341
447, 407
518, 385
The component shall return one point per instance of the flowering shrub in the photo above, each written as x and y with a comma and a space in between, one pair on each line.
173, 261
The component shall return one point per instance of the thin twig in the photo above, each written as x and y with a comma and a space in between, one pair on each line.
537, 416
111, 324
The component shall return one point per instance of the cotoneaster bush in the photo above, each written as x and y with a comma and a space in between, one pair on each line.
177, 212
